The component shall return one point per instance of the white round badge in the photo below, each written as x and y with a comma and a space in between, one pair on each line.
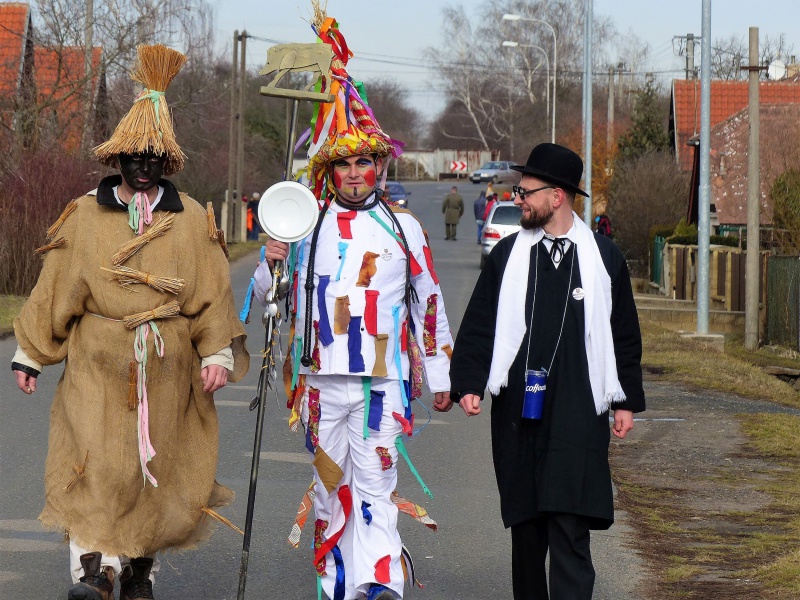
578, 293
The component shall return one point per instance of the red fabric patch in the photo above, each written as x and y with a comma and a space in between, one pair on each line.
404, 337
343, 220
429, 261
371, 312
346, 498
382, 569
384, 457
415, 268
408, 426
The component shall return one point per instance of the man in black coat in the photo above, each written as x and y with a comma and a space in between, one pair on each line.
572, 291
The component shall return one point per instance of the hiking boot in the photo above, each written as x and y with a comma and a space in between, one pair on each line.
97, 582
380, 592
135, 581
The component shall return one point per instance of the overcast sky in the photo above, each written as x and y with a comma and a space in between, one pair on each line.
389, 37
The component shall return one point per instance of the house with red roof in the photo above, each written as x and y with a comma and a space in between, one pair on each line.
727, 99
44, 88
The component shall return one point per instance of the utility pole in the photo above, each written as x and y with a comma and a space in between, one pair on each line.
751, 275
226, 220
240, 212
88, 43
587, 113
690, 56
610, 120
704, 201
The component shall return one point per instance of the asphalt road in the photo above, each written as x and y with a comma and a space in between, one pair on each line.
467, 559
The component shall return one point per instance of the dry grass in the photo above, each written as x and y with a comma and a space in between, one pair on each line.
736, 371
9, 309
744, 553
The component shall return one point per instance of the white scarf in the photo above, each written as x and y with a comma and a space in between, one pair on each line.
596, 283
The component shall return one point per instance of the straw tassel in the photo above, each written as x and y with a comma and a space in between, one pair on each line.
133, 395
212, 222
128, 249
59, 243
68, 210
221, 240
127, 277
171, 309
215, 515
80, 472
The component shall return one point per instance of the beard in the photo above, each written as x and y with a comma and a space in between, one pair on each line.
536, 220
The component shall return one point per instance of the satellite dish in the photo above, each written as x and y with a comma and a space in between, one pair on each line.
288, 211
776, 70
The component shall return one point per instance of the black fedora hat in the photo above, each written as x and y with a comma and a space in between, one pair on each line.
555, 164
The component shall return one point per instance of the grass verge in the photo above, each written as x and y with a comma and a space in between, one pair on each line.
9, 309
736, 371
710, 551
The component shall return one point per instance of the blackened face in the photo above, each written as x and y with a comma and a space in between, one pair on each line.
141, 171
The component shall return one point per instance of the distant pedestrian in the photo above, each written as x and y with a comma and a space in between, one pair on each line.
478, 208
253, 227
603, 225
492, 201
453, 208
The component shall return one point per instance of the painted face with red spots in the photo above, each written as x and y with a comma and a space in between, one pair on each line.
354, 177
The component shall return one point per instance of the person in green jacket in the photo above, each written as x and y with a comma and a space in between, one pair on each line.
453, 208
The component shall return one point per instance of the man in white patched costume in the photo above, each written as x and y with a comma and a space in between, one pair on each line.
361, 337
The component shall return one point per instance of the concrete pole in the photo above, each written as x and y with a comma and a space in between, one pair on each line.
88, 43
751, 278
587, 99
689, 56
240, 212
610, 124
226, 220
704, 203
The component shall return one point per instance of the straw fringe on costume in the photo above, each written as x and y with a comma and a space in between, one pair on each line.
148, 124
99, 498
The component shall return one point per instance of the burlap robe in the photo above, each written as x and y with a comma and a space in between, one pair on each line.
108, 507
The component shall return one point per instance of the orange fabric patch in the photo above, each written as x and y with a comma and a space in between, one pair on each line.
341, 315
368, 269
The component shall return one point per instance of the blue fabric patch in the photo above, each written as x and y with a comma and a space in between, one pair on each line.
325, 333
375, 410
365, 512
338, 586
354, 345
342, 257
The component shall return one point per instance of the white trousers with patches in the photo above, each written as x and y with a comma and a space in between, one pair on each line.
341, 436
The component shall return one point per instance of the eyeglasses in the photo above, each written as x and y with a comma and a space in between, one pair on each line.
518, 191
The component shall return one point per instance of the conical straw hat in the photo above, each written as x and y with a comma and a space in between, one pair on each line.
148, 124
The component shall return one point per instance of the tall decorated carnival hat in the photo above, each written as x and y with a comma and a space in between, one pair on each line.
148, 124
347, 126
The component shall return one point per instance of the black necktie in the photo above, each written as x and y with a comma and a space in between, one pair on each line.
557, 249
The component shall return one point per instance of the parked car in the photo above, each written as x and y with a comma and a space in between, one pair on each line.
503, 220
396, 193
496, 171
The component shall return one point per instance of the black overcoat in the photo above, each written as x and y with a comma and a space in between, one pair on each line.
558, 463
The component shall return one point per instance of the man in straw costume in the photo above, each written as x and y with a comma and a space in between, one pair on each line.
368, 318
552, 318
135, 297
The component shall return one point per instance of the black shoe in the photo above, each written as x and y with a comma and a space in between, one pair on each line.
135, 581
97, 582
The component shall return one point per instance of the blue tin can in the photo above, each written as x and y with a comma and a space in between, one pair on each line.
535, 386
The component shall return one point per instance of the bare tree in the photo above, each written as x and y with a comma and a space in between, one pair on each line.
499, 94
729, 55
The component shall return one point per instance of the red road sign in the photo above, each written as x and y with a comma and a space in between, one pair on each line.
458, 165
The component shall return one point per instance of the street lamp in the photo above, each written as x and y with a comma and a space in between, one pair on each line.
511, 17
510, 44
